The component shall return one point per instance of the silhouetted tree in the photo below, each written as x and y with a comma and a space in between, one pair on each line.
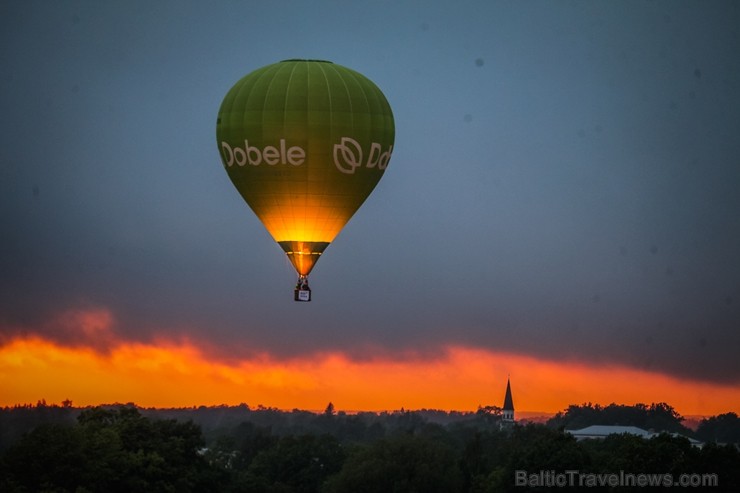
657, 417
724, 428
483, 460
295, 464
112, 450
329, 411
399, 464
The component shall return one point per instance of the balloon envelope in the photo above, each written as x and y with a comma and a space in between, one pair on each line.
305, 142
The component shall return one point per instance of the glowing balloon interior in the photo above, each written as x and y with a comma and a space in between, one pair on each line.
305, 142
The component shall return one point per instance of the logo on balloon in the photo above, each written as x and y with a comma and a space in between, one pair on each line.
348, 156
271, 155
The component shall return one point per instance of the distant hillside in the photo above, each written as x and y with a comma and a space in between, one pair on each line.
217, 420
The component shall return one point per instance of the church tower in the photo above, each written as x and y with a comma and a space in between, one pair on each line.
508, 409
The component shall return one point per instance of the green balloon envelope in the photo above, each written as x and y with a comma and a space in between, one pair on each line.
305, 142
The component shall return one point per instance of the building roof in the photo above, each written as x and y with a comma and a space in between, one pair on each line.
508, 401
601, 431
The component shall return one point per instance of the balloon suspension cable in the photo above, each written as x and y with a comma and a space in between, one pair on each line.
302, 292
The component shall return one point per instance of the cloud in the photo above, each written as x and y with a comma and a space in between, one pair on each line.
662, 350
172, 373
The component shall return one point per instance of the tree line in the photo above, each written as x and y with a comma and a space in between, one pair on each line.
239, 449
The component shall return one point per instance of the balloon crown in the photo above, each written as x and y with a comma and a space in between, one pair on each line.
305, 60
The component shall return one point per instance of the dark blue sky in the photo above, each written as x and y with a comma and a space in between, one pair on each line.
565, 180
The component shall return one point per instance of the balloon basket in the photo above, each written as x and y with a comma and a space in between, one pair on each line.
302, 292
302, 295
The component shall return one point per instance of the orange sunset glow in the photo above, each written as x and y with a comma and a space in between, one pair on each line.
169, 374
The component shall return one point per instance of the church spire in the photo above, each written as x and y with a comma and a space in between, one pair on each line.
508, 409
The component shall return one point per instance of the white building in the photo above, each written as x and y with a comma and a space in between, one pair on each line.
602, 431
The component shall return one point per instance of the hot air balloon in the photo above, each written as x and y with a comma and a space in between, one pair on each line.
305, 142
